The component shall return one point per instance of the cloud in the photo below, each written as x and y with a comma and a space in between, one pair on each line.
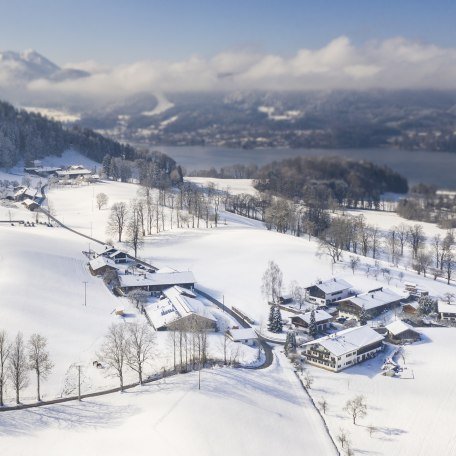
395, 63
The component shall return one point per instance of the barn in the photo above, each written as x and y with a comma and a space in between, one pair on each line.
400, 332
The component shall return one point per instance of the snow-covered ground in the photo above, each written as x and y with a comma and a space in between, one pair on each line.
386, 220
412, 415
236, 412
234, 186
41, 281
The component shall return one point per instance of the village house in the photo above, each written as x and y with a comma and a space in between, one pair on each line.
179, 308
42, 171
155, 281
117, 256
344, 348
73, 172
410, 308
400, 332
322, 320
374, 303
323, 293
100, 265
446, 311
246, 336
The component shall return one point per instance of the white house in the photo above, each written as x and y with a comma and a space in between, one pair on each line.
323, 293
343, 348
244, 335
447, 311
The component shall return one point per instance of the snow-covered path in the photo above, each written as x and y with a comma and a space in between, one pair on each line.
236, 412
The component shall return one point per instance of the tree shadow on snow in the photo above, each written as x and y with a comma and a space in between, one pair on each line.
71, 415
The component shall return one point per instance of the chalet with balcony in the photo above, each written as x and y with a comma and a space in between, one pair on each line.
344, 348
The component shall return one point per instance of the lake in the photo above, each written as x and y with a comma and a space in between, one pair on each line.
436, 168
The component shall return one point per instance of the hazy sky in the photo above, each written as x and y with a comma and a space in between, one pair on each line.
114, 32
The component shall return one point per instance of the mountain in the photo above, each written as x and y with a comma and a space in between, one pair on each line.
22, 67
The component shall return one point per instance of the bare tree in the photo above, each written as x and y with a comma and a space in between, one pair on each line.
135, 227
323, 403
102, 200
402, 231
354, 263
422, 262
18, 366
298, 293
5, 349
416, 238
308, 380
140, 347
138, 298
271, 286
343, 438
39, 361
117, 219
114, 350
356, 407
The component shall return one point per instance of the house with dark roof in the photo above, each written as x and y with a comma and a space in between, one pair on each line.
327, 292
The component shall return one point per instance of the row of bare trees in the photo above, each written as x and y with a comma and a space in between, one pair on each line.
17, 358
128, 345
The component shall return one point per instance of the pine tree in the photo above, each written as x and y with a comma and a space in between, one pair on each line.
313, 330
363, 317
271, 318
290, 342
277, 320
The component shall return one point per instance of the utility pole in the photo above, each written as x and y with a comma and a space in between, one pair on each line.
79, 382
223, 302
85, 292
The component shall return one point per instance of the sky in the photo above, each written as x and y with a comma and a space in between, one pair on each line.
115, 32
157, 47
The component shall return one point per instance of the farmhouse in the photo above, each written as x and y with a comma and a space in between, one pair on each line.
117, 256
327, 292
446, 311
156, 281
99, 265
374, 303
322, 319
344, 348
244, 335
410, 307
42, 171
30, 204
400, 332
179, 307
73, 172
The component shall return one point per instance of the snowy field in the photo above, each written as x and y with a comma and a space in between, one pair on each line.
228, 262
236, 412
234, 186
386, 220
413, 415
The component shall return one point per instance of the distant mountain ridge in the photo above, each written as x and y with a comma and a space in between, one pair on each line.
20, 67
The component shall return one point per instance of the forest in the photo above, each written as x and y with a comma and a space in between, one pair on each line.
347, 182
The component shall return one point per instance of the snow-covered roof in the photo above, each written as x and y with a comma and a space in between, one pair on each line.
398, 327
73, 172
374, 298
445, 307
348, 340
144, 280
174, 306
333, 285
28, 202
242, 334
101, 261
320, 315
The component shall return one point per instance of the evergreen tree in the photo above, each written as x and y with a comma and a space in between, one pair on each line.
290, 342
271, 318
363, 316
106, 163
426, 305
277, 320
313, 331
